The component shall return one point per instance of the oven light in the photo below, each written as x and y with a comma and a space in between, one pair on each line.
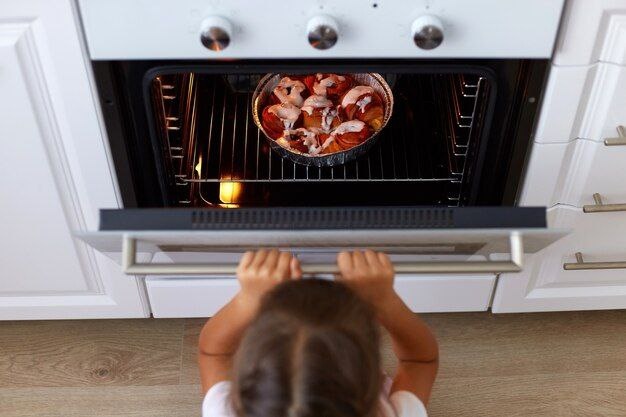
198, 166
230, 192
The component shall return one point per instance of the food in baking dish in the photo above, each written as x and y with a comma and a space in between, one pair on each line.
290, 90
319, 112
362, 103
332, 86
279, 118
322, 113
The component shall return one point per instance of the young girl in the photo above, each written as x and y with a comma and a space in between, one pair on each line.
288, 347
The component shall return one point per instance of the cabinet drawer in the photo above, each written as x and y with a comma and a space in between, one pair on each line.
203, 297
591, 167
189, 297
582, 102
571, 173
545, 285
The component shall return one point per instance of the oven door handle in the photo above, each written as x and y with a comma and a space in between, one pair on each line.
130, 266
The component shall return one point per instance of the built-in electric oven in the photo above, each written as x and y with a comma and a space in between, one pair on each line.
438, 189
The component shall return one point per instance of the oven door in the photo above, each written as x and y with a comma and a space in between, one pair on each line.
209, 242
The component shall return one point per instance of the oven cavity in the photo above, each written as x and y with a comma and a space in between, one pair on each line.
215, 155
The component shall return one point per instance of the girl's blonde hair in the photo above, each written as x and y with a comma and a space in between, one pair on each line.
312, 351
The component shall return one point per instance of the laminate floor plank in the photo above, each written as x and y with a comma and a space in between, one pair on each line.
544, 395
479, 344
106, 401
189, 362
84, 353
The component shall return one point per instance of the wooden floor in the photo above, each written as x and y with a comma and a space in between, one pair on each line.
555, 364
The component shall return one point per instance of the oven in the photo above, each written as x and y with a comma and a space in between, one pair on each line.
200, 183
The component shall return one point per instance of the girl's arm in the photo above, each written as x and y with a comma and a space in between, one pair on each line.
219, 339
415, 346
258, 273
371, 275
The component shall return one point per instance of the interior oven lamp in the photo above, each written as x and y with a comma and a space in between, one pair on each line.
229, 193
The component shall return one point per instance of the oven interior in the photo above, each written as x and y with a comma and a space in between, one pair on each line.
215, 156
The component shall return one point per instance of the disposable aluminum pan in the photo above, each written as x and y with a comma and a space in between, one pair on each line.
260, 100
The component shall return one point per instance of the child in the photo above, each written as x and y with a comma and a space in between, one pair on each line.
287, 347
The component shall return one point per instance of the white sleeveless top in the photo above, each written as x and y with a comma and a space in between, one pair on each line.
398, 404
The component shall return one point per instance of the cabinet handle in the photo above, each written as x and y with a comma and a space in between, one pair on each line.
599, 207
580, 264
620, 140
130, 266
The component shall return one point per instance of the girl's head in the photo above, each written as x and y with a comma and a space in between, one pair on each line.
312, 351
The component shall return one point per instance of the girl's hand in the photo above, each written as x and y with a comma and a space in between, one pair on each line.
370, 274
260, 271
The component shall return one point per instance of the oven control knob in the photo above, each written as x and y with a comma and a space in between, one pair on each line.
427, 32
322, 32
215, 33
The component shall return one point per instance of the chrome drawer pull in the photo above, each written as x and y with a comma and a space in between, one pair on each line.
581, 265
599, 207
130, 265
620, 140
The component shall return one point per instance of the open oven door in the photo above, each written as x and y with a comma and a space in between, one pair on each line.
209, 242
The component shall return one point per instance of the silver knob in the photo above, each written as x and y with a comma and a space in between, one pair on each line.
322, 32
427, 32
215, 33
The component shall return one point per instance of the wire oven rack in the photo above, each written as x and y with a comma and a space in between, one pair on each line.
209, 135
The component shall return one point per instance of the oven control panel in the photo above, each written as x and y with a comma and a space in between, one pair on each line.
240, 29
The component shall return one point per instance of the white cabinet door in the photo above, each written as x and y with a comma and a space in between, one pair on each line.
54, 173
545, 285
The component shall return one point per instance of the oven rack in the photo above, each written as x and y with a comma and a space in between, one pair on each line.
242, 154
219, 142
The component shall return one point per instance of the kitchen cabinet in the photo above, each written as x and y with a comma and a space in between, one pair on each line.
571, 167
203, 297
54, 175
545, 285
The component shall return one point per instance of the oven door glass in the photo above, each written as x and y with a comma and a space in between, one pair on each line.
209, 242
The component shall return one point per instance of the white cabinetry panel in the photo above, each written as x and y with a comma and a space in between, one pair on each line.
594, 31
189, 297
36, 231
203, 297
591, 167
54, 175
543, 173
570, 173
582, 102
545, 286
563, 94
605, 107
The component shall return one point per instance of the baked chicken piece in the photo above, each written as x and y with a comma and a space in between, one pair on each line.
332, 86
351, 133
318, 112
280, 117
362, 103
301, 140
289, 90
